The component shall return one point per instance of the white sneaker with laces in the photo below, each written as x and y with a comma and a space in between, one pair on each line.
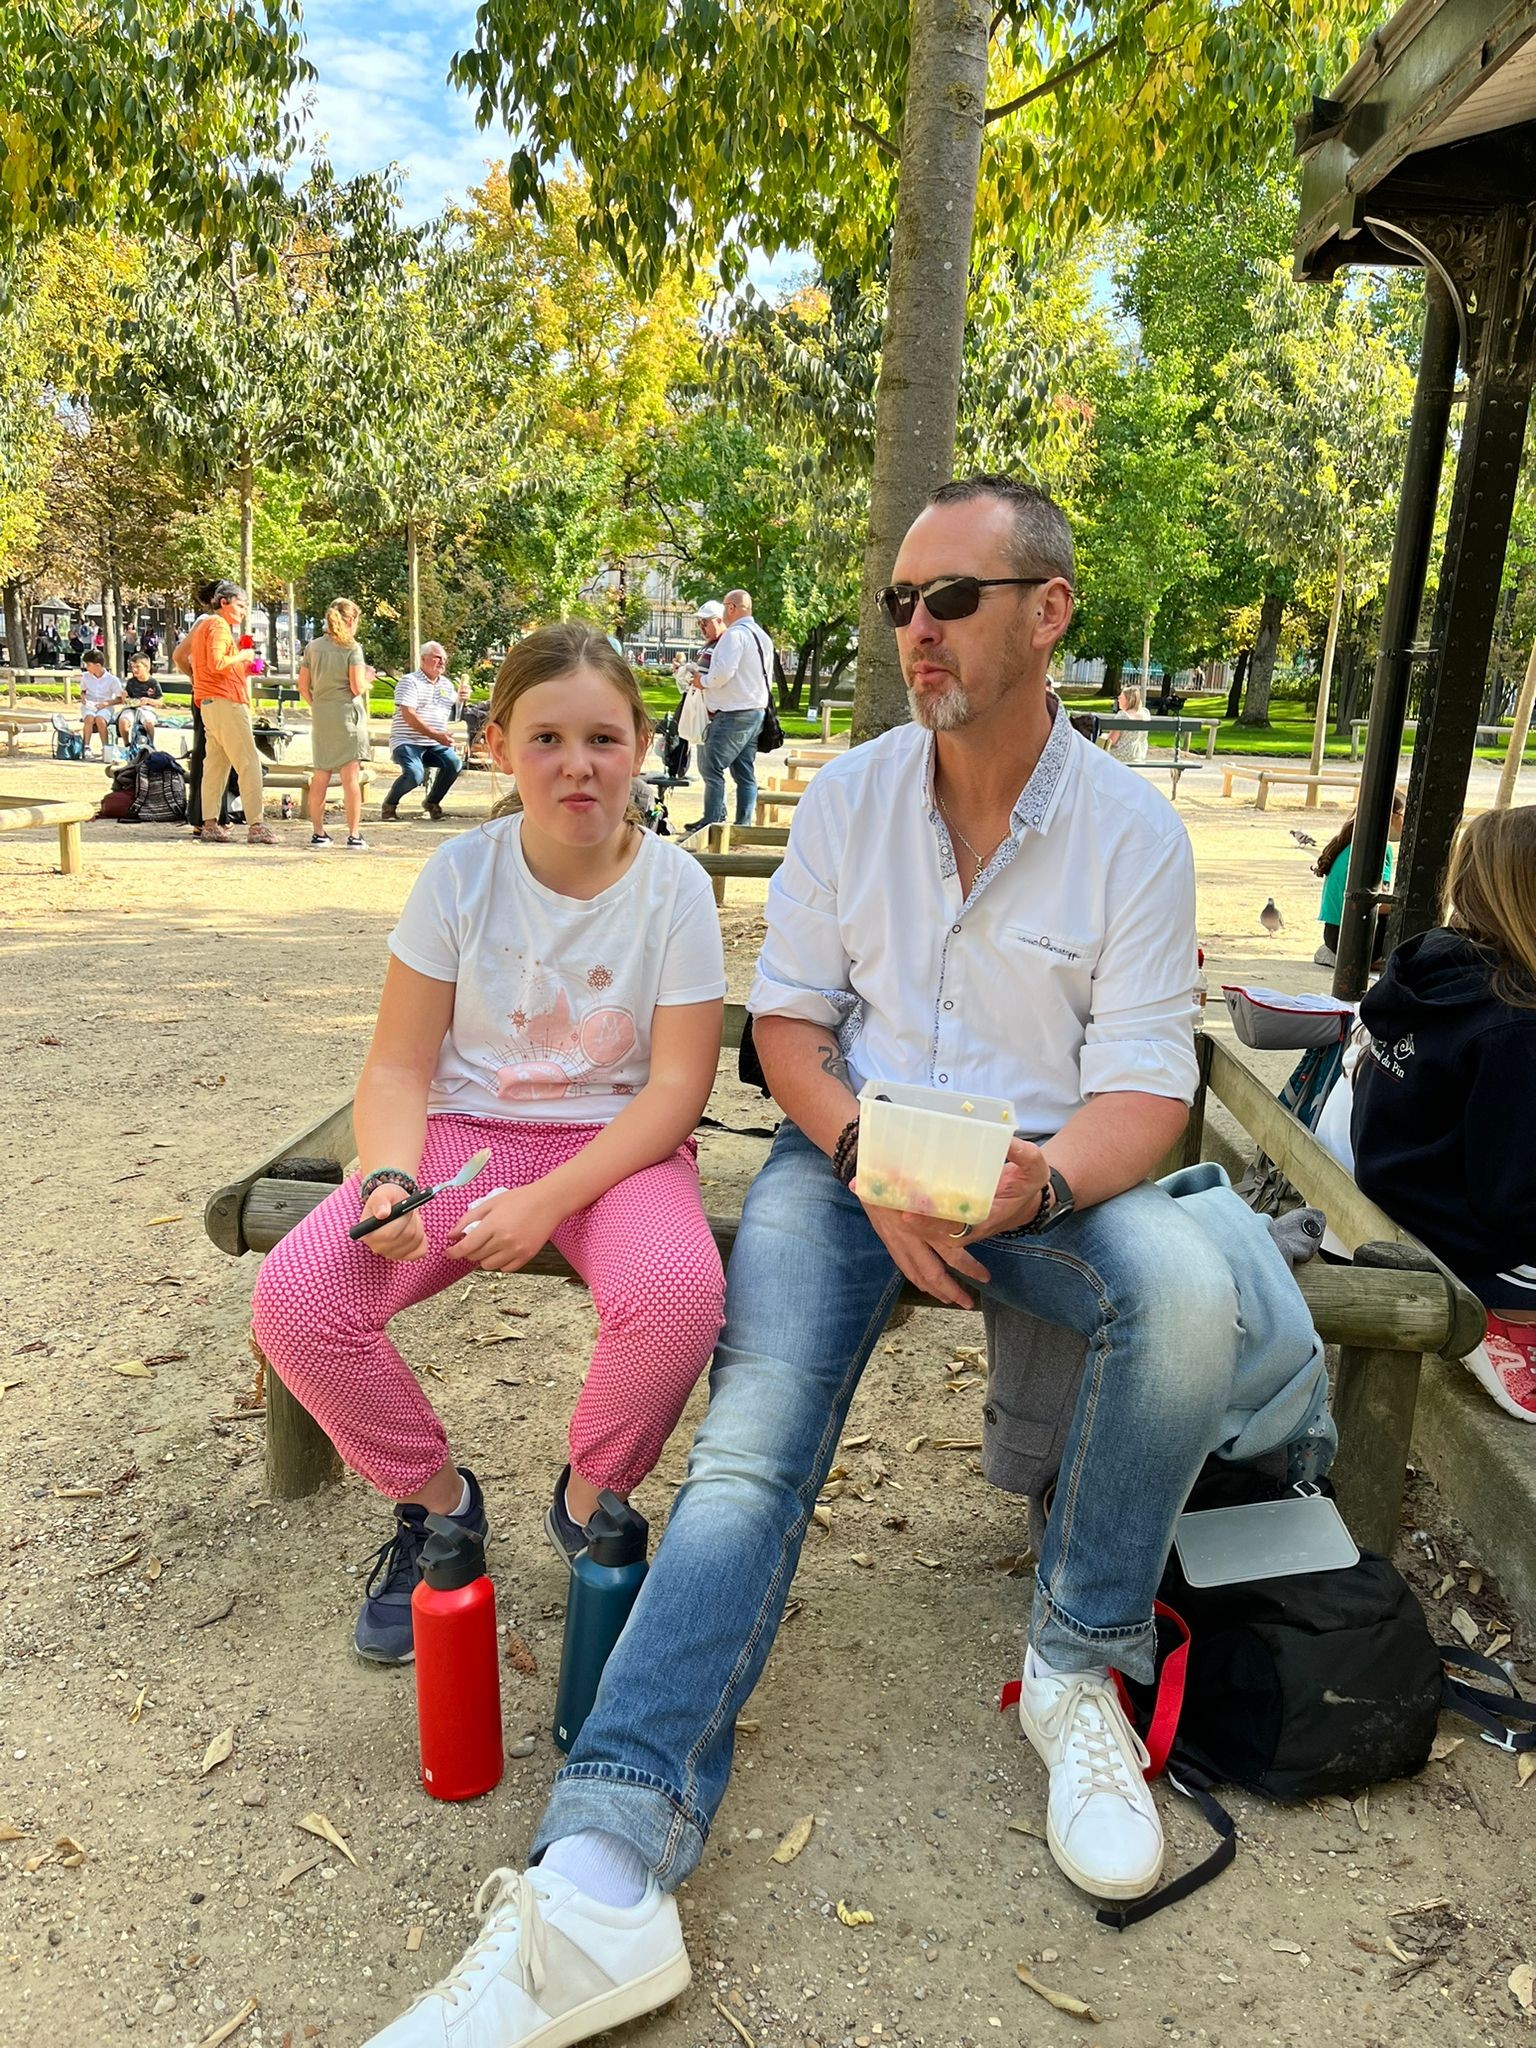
1101, 1824
550, 1967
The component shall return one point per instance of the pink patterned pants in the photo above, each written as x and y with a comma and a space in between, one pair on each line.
323, 1306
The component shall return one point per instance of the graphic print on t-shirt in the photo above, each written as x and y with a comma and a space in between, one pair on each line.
567, 1038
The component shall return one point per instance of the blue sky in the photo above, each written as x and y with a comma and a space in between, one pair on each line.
382, 96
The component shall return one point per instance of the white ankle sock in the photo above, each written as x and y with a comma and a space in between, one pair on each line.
464, 1500
605, 1867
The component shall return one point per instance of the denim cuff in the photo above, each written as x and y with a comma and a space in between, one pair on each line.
614, 1800
1066, 1645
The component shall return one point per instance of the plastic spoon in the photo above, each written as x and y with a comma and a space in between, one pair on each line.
470, 1170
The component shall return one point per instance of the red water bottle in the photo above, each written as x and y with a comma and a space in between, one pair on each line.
458, 1685
258, 664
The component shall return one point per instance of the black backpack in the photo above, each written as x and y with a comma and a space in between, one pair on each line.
159, 791
1319, 1683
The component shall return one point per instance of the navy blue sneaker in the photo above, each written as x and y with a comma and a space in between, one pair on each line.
383, 1632
567, 1536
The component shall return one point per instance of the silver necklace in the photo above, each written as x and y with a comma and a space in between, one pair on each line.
980, 859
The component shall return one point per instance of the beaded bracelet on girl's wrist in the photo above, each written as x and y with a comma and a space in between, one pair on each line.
383, 1176
845, 1153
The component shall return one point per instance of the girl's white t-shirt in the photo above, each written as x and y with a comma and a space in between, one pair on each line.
553, 997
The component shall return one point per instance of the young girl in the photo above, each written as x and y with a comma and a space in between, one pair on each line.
1334, 870
1129, 747
1445, 1095
556, 996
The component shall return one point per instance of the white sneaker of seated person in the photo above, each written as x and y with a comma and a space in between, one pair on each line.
551, 1967
1101, 1824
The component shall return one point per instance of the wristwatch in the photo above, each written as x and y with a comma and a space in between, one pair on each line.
1056, 1201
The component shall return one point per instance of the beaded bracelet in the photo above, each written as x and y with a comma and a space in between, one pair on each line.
845, 1153
381, 1176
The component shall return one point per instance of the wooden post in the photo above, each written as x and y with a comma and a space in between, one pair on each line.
1374, 1395
719, 841
300, 1456
70, 859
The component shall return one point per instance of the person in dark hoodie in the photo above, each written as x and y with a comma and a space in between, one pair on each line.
1445, 1093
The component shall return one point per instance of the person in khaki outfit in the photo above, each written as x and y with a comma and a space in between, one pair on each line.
211, 655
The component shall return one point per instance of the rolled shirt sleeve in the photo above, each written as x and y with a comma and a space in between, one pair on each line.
1140, 1035
803, 969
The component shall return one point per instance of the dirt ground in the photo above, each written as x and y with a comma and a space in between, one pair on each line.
164, 1018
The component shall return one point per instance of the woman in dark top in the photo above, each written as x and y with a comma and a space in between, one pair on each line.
1444, 1119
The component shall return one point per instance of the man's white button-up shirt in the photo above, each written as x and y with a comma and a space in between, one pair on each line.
737, 679
1068, 972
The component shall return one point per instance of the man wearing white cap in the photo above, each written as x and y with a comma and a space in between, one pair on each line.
736, 694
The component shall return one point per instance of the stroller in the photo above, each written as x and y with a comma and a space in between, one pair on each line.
672, 747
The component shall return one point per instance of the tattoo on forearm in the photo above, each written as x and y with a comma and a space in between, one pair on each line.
833, 1063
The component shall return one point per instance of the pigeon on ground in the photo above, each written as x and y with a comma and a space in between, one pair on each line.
1271, 919
1303, 838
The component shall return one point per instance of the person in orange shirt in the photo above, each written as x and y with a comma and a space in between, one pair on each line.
212, 656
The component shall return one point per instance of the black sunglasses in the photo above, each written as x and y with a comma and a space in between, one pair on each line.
947, 597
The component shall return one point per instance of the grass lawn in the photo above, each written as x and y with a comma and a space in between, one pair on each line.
1289, 735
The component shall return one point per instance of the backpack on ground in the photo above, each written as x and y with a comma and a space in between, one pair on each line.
159, 791
1297, 1688
119, 799
68, 744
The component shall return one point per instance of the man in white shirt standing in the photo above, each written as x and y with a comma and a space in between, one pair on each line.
735, 688
977, 902
425, 701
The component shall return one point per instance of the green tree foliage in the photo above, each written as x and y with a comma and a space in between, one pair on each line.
164, 115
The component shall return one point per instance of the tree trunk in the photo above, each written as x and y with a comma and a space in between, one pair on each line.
293, 631
16, 630
1494, 692
1114, 671
247, 485
1524, 703
1261, 668
1146, 655
919, 392
413, 588
1235, 694
1325, 676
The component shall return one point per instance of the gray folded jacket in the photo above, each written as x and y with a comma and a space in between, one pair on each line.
1278, 1411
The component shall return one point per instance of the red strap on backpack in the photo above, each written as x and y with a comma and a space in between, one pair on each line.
1167, 1706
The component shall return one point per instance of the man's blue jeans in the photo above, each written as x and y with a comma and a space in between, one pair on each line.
731, 742
414, 762
808, 1292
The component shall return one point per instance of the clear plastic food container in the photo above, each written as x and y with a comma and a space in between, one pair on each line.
933, 1151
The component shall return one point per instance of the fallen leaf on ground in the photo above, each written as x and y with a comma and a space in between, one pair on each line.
318, 1824
795, 1839
747, 1727
497, 1337
136, 1711
297, 1870
863, 1560
1475, 1584
1401, 1955
153, 1569
1464, 1626
1074, 2008
854, 1443
231, 2026
854, 1916
1498, 1642
414, 1937
1445, 1586
957, 1443
520, 1657
218, 1751
932, 1564
1444, 1746
6, 1386
1361, 1808
219, 1614
1522, 1982
1022, 1827
1291, 1948
1525, 1764
915, 1444
77, 1493
154, 1221
134, 1369
10, 1834
822, 1517
69, 1852
117, 1563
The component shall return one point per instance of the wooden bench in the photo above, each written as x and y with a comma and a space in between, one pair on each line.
14, 723
22, 813
1387, 1313
720, 862
1269, 778
776, 800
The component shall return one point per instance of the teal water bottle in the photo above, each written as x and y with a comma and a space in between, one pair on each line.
605, 1583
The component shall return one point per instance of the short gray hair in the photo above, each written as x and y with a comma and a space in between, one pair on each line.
1041, 543
432, 647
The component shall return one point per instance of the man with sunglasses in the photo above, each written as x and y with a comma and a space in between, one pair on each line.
978, 902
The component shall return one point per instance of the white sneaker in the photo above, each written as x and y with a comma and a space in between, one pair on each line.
1101, 1824
551, 1967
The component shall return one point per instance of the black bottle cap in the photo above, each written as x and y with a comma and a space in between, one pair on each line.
453, 1556
617, 1533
